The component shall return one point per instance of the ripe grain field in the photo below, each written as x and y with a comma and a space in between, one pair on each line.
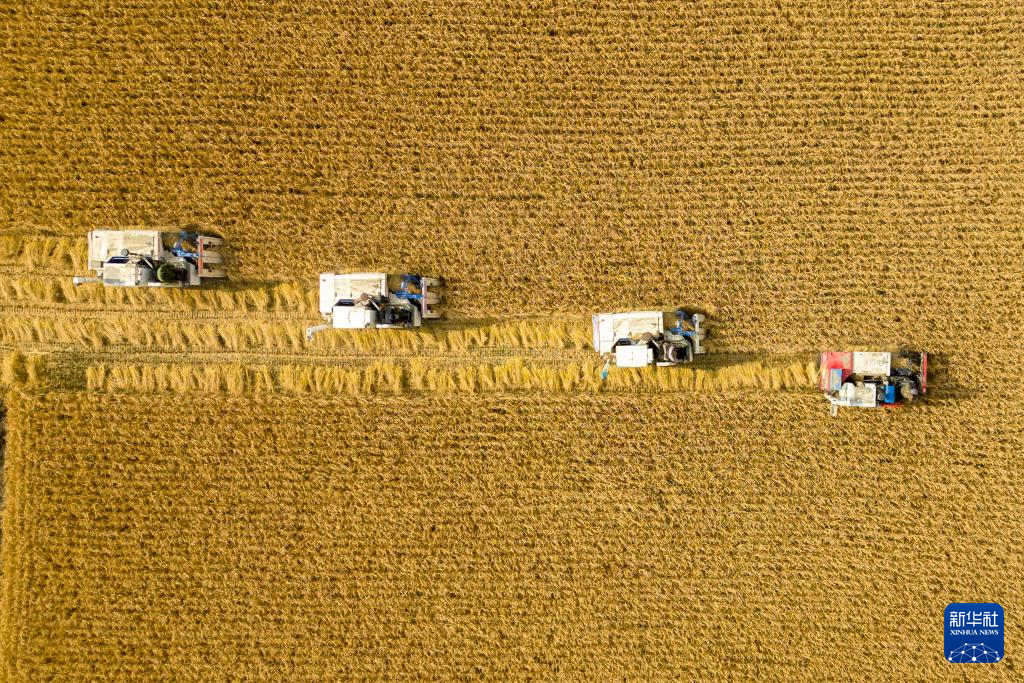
193, 490
635, 544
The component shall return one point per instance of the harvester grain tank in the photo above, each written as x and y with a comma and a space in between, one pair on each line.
640, 338
355, 301
153, 258
873, 379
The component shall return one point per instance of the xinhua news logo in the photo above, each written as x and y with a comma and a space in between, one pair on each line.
974, 633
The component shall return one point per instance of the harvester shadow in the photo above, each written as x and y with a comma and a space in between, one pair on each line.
941, 386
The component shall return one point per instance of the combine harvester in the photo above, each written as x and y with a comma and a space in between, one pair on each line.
151, 258
356, 301
640, 338
871, 379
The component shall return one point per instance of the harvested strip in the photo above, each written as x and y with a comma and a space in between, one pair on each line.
392, 377
159, 334
295, 297
17, 368
52, 254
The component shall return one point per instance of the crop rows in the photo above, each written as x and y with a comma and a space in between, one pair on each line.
548, 535
193, 490
811, 176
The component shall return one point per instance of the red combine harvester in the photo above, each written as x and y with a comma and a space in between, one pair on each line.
861, 379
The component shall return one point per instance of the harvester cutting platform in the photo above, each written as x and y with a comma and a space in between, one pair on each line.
355, 301
639, 338
151, 258
873, 379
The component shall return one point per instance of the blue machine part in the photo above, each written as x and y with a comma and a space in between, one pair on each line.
890, 393
178, 249
408, 282
835, 379
678, 327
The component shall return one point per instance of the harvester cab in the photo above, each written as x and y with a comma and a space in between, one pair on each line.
639, 338
872, 379
151, 258
356, 301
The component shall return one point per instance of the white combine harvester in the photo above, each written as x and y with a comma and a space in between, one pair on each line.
639, 338
151, 258
355, 301
872, 379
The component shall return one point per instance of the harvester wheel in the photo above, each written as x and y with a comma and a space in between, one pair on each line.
167, 273
677, 353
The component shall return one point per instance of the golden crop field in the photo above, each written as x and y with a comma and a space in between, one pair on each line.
194, 490
661, 536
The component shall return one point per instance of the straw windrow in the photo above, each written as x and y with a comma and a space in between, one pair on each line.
392, 377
